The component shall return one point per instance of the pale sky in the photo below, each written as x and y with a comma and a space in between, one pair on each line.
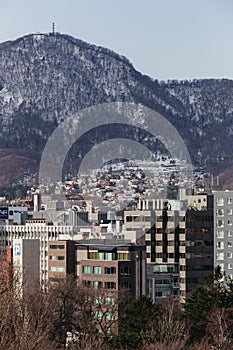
166, 39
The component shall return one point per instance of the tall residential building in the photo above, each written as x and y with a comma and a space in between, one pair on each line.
179, 244
199, 242
223, 230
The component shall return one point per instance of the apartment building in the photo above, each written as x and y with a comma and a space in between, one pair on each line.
223, 231
112, 265
199, 245
179, 243
61, 260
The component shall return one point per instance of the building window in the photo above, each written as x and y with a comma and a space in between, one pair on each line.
97, 284
110, 316
108, 256
57, 268
55, 257
220, 256
229, 222
229, 255
98, 300
220, 201
110, 271
229, 244
229, 233
102, 256
220, 212
110, 285
123, 256
98, 270
220, 234
110, 301
220, 245
162, 294
221, 266
220, 223
126, 285
87, 269
229, 200
229, 211
229, 266
87, 283
56, 246
163, 268
125, 271
162, 282
56, 279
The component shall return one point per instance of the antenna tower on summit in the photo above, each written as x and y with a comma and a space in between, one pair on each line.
53, 28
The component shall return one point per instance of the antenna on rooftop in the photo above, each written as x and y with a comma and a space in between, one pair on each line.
53, 28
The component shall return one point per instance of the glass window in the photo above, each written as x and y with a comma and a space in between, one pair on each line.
229, 244
110, 270
220, 223
110, 300
98, 300
93, 255
229, 211
220, 256
110, 285
229, 266
123, 256
99, 315
108, 256
229, 200
221, 266
220, 244
162, 294
220, 201
220, 212
98, 270
110, 316
229, 255
56, 246
220, 234
87, 283
97, 284
100, 256
229, 233
55, 257
125, 271
126, 285
87, 269
229, 222
57, 268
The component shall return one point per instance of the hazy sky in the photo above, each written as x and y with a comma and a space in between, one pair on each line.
179, 39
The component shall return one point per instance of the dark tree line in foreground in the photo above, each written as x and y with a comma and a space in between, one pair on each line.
70, 317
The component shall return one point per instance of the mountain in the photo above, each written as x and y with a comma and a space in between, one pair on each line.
46, 77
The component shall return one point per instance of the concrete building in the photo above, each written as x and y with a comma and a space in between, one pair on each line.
179, 244
37, 229
199, 246
223, 231
112, 265
26, 262
61, 260
162, 281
